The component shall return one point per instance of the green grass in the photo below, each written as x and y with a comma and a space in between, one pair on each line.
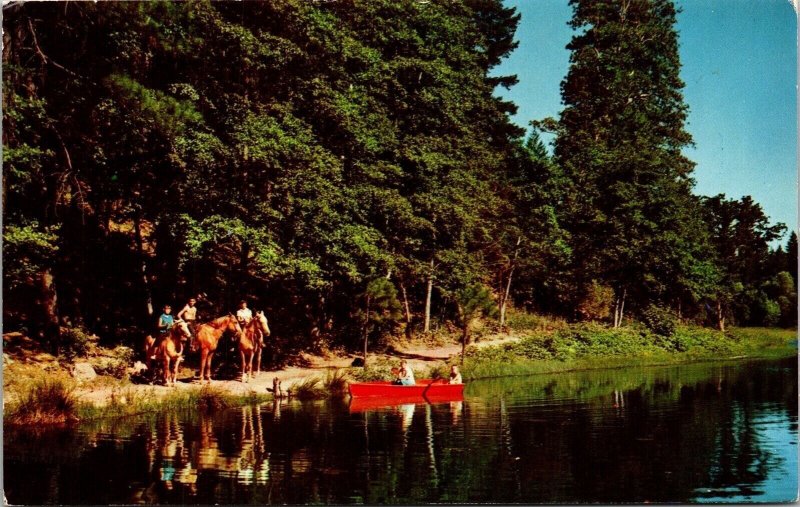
128, 402
592, 346
309, 388
332, 385
335, 382
43, 403
765, 342
525, 321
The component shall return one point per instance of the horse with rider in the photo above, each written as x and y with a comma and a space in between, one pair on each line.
168, 347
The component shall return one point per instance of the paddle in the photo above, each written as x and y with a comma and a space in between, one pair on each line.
426, 389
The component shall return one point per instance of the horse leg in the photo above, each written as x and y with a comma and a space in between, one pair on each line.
166, 369
203, 362
244, 365
177, 367
250, 363
208, 365
258, 359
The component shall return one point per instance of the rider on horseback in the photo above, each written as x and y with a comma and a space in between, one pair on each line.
243, 314
189, 314
166, 320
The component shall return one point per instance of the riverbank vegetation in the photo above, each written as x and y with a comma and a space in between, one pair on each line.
348, 168
544, 347
53, 402
589, 346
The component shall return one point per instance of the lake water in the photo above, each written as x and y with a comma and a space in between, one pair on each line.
697, 433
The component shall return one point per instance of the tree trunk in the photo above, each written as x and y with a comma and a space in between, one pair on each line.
366, 332
619, 309
244, 261
148, 296
427, 327
464, 339
50, 332
720, 316
407, 309
504, 300
504, 304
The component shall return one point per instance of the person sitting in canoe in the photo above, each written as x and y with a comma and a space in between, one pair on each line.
455, 375
405, 375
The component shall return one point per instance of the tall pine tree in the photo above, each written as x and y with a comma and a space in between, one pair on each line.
619, 141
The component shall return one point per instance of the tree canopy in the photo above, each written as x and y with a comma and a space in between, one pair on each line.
293, 152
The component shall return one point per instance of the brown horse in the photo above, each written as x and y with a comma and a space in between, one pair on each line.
251, 341
208, 336
168, 349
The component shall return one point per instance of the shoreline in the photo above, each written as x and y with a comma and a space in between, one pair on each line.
492, 357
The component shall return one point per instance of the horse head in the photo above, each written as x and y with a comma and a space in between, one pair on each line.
182, 328
233, 324
262, 322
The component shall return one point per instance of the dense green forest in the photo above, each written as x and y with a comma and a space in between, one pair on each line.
346, 166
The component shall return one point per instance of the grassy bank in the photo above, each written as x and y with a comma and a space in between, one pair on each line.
40, 393
130, 402
591, 346
54, 402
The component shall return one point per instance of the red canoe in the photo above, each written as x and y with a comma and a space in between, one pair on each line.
427, 388
378, 402
371, 395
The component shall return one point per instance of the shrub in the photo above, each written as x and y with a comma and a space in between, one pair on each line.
378, 368
659, 320
335, 382
534, 347
308, 389
116, 366
439, 371
46, 402
75, 342
211, 399
596, 301
698, 339
525, 321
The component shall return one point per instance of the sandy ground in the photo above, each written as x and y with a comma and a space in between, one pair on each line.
22, 360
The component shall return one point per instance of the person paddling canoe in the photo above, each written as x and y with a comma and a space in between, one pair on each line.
455, 375
405, 375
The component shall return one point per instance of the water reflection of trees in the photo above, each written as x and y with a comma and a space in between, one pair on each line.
672, 434
666, 439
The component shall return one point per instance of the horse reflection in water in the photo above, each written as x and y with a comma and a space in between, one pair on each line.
253, 465
175, 463
168, 458
250, 464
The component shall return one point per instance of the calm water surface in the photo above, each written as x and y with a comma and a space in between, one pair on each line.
698, 433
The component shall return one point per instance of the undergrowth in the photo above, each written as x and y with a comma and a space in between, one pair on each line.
44, 402
127, 402
590, 346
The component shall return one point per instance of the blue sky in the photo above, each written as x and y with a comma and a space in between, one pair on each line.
739, 62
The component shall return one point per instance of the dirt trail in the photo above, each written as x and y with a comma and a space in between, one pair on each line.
23, 359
